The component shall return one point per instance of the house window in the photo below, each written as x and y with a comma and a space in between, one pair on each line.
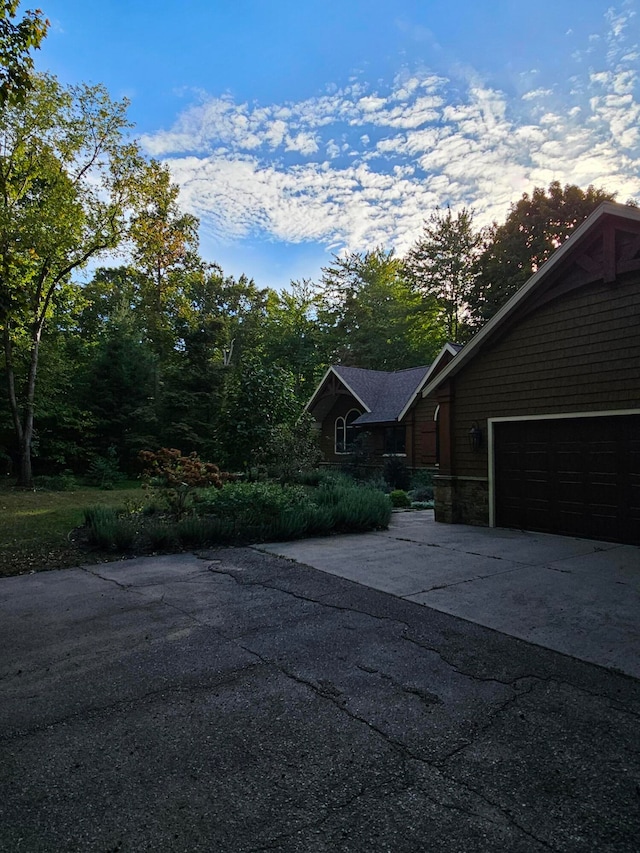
346, 432
395, 440
436, 417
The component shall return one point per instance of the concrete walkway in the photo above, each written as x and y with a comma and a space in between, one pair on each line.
576, 596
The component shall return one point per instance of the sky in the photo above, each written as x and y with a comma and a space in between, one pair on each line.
299, 129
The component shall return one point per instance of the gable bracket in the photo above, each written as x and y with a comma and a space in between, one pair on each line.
609, 252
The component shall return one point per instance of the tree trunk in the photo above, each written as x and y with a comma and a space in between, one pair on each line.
23, 421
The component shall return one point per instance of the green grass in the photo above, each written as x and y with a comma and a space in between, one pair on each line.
35, 526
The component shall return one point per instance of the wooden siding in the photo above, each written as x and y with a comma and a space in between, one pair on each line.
425, 432
575, 354
342, 406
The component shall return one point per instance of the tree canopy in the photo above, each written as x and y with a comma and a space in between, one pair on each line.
67, 174
17, 40
536, 226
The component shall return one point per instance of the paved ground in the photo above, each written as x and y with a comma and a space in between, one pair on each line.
236, 701
576, 596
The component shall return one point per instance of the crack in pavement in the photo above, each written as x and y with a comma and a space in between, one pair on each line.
90, 713
402, 748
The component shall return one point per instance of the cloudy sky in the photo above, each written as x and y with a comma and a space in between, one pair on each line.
299, 128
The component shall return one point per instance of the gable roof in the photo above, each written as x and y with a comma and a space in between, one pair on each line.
386, 393
583, 232
447, 349
381, 394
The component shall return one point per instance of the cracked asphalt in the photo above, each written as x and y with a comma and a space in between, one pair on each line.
236, 701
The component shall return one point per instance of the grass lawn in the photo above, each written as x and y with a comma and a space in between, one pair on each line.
35, 526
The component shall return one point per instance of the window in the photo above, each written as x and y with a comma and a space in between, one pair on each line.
395, 440
346, 432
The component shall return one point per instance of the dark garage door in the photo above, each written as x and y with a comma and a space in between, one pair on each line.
574, 476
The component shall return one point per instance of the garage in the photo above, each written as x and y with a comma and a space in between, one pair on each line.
575, 476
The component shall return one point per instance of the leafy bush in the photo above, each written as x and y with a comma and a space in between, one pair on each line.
399, 498
174, 477
421, 486
397, 474
254, 504
64, 482
104, 471
422, 494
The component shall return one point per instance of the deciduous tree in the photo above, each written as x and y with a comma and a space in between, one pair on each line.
536, 226
67, 172
17, 40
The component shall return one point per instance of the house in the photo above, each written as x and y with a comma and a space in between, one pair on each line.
539, 415
381, 407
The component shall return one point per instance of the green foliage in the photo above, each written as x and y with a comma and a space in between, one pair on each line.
354, 508
421, 487
108, 530
293, 448
64, 482
536, 226
173, 477
104, 471
260, 400
374, 316
17, 39
397, 474
399, 498
66, 181
443, 264
250, 504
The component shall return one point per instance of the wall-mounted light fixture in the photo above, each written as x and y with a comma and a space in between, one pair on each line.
475, 436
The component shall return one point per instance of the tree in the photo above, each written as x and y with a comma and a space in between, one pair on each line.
165, 252
260, 400
535, 227
293, 338
17, 39
67, 174
443, 265
373, 316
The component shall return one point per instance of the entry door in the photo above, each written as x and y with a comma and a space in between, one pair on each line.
572, 476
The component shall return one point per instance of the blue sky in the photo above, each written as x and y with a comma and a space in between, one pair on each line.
300, 129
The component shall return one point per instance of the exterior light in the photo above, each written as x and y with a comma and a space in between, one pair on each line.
475, 436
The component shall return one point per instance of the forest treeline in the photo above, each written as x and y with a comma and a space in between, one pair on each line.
166, 350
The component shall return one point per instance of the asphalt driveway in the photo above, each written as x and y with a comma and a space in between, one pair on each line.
577, 596
237, 701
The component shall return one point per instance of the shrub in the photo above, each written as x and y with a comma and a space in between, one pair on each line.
104, 471
250, 504
399, 498
397, 474
174, 476
64, 482
108, 531
422, 494
354, 508
194, 532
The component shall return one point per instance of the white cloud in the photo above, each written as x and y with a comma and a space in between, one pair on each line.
353, 168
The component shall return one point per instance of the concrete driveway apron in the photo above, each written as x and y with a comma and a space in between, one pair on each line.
576, 596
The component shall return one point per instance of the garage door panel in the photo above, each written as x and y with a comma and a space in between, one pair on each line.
575, 476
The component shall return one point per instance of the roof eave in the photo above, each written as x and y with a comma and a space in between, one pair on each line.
469, 351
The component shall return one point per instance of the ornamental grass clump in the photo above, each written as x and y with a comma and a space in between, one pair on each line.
108, 530
355, 508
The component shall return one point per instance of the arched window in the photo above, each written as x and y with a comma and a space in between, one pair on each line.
436, 417
346, 432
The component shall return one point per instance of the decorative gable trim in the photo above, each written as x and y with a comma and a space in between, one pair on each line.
322, 390
605, 257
